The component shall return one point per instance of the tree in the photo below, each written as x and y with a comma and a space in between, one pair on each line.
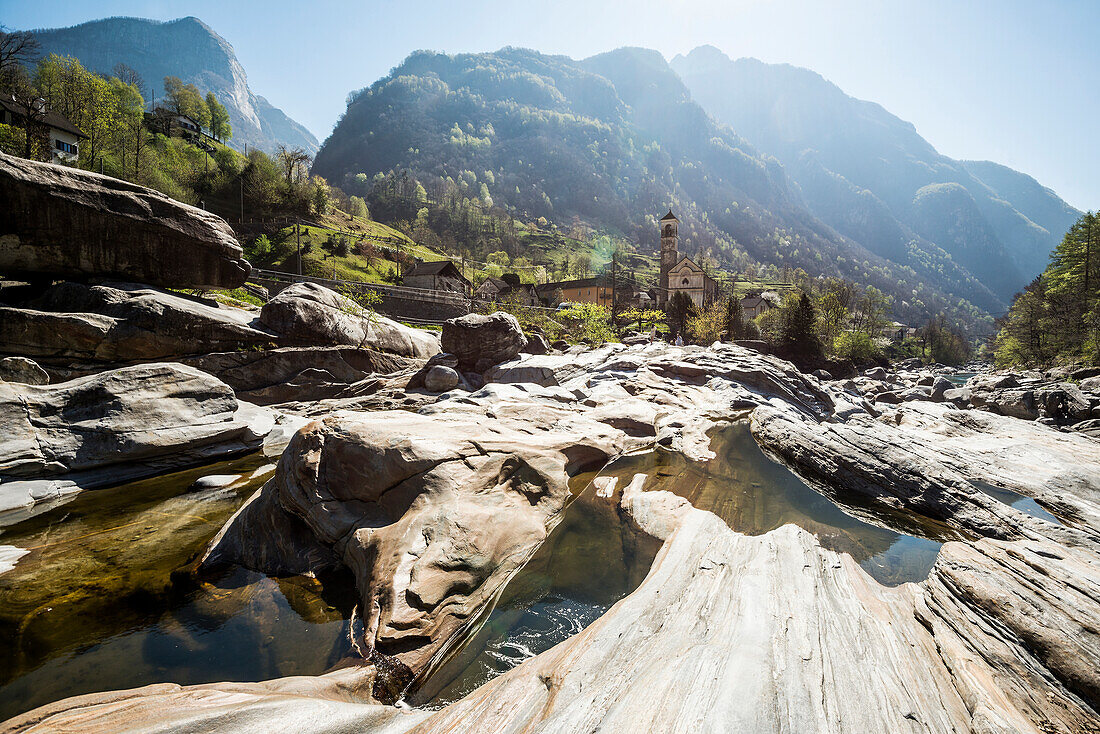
321, 197
185, 99
799, 333
293, 161
706, 326
220, 129
680, 309
358, 208
832, 316
17, 48
128, 75
735, 318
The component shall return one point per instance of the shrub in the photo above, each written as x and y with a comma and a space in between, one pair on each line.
856, 346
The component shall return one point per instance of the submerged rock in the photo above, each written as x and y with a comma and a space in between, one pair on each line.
63, 222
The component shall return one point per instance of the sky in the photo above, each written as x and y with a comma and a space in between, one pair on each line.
1012, 81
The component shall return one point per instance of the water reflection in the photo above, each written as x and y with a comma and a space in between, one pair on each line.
92, 606
754, 495
1014, 499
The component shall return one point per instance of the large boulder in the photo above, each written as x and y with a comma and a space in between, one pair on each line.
123, 322
308, 314
411, 505
21, 369
298, 373
62, 222
481, 341
82, 429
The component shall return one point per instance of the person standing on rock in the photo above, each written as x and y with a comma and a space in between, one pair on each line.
679, 340
653, 334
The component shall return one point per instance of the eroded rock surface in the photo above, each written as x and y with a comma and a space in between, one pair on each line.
412, 505
123, 322
308, 314
76, 431
68, 223
728, 632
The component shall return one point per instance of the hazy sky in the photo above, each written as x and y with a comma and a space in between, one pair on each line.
1013, 81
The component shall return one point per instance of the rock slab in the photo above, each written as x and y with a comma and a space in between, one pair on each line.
62, 222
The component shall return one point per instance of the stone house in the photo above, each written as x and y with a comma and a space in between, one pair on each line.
438, 275
508, 288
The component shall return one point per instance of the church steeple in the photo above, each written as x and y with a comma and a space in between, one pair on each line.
669, 227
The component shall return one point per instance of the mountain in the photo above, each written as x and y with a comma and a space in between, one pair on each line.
613, 141
186, 48
872, 177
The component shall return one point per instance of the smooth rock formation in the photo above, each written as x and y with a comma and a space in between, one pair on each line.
298, 373
21, 369
408, 503
63, 222
307, 314
441, 378
728, 632
123, 322
77, 431
481, 341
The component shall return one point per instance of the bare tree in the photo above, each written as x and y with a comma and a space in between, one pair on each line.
294, 161
129, 75
16, 48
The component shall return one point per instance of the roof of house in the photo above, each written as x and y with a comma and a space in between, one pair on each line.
598, 280
52, 119
495, 282
435, 267
751, 301
670, 215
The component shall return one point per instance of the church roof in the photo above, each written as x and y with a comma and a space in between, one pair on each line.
670, 215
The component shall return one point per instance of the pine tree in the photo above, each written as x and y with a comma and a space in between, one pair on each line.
735, 318
799, 335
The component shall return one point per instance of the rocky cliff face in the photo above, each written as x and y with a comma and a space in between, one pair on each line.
189, 49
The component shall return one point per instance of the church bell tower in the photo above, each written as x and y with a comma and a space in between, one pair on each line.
669, 225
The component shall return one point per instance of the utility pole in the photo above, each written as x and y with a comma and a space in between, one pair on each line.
298, 237
241, 181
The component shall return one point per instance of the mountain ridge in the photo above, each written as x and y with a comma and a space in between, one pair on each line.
186, 48
788, 111
612, 140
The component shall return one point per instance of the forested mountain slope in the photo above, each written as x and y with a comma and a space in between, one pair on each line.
186, 48
613, 140
872, 177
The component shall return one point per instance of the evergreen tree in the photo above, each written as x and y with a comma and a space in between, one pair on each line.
799, 334
735, 318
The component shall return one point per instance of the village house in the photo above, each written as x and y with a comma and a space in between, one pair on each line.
174, 123
755, 304
438, 275
583, 290
507, 288
681, 274
897, 331
63, 138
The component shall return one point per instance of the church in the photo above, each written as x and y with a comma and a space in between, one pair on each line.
681, 274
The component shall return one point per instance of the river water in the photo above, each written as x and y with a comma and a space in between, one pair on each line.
96, 603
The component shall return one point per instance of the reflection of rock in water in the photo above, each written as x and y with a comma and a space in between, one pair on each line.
754, 495
92, 606
589, 561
